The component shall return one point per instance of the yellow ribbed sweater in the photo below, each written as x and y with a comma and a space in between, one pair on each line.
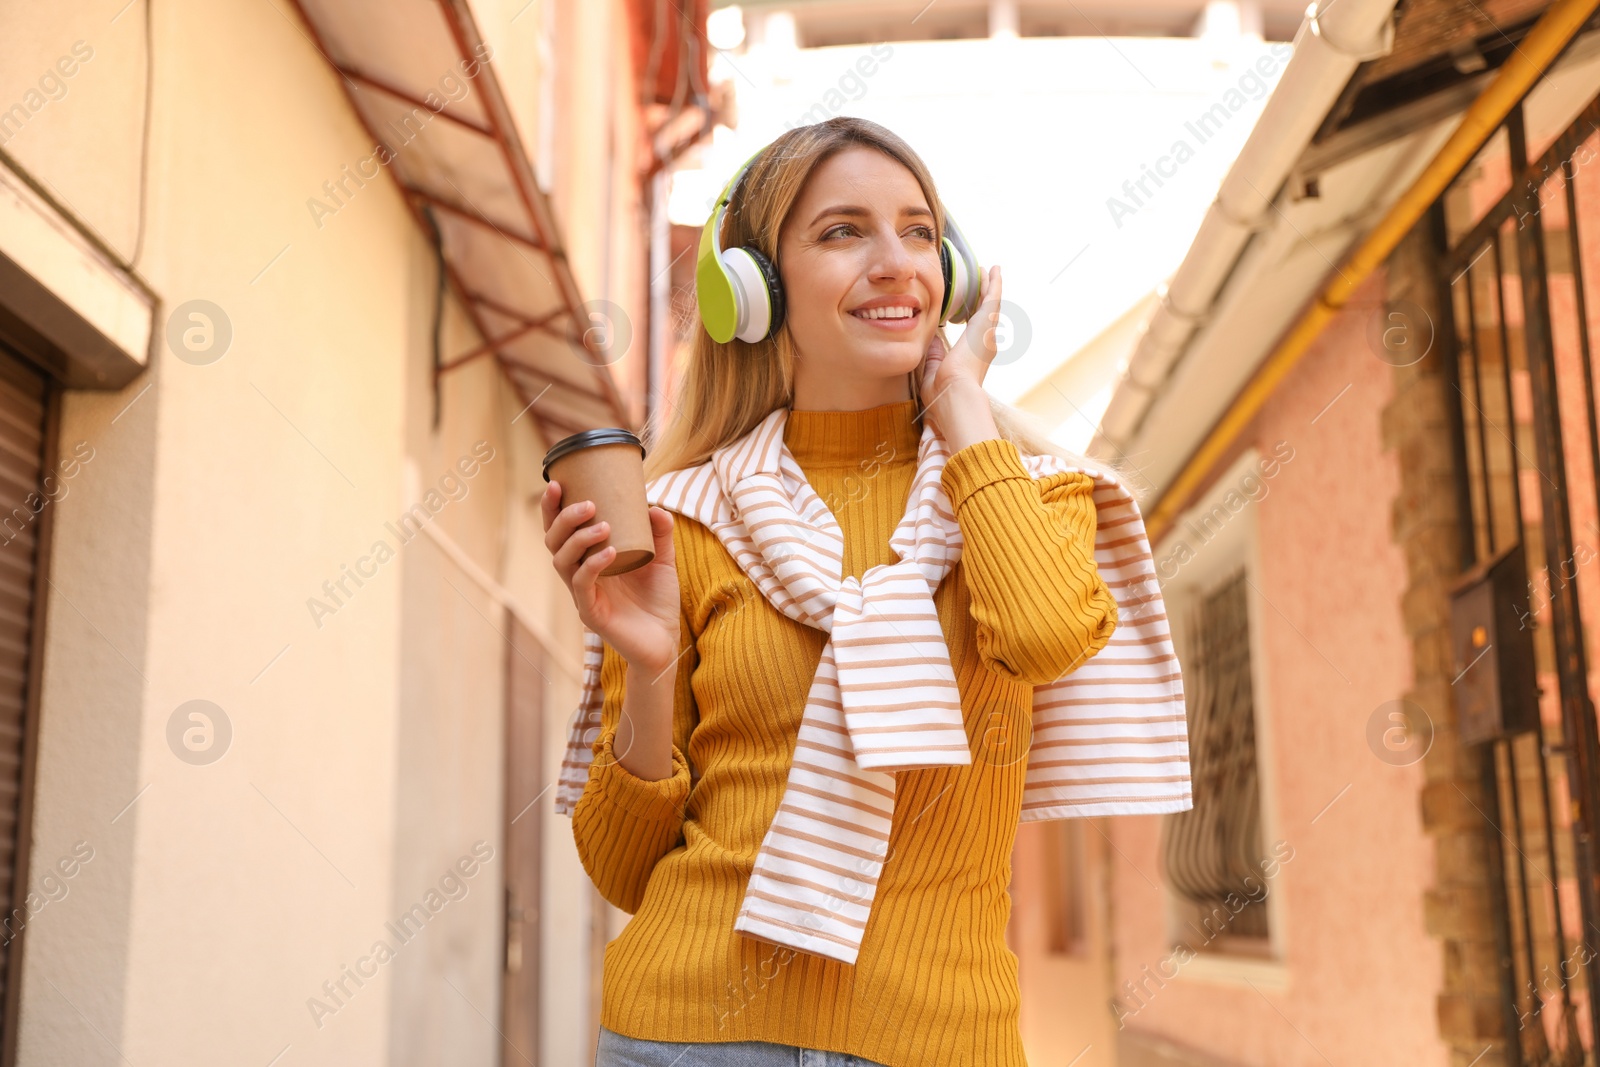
935, 984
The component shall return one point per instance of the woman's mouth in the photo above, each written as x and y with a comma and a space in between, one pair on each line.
899, 318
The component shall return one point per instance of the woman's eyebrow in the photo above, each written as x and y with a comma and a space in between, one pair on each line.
855, 212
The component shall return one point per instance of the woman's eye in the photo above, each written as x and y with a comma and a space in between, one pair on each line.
924, 232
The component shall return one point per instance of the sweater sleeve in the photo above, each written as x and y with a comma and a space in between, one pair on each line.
1038, 602
624, 824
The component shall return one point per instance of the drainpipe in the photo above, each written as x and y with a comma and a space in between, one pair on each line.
1331, 43
1529, 60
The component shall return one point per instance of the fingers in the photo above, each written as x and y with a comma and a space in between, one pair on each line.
566, 546
566, 555
661, 524
550, 503
583, 578
991, 305
991, 288
558, 529
985, 323
934, 354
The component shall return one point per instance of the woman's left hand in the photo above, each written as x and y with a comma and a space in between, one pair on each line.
974, 350
954, 375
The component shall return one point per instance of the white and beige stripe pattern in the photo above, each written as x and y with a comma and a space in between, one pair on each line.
1108, 738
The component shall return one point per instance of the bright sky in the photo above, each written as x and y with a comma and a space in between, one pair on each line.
1028, 139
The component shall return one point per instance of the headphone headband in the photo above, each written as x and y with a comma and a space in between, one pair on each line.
725, 198
739, 293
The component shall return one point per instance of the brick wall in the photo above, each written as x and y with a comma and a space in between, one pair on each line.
1426, 527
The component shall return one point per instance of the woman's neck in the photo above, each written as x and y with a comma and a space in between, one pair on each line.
883, 433
848, 394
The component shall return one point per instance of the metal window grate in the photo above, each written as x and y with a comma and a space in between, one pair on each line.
1519, 289
1213, 851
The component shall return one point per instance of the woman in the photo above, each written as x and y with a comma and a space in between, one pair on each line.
700, 671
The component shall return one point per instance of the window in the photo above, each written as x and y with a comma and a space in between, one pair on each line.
1218, 858
1213, 852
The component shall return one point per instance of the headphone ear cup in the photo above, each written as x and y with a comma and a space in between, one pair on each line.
961, 286
945, 269
749, 274
774, 289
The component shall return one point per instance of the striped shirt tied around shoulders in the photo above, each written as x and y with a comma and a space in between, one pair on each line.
1108, 738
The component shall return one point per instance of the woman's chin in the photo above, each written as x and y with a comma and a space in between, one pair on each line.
885, 359
851, 358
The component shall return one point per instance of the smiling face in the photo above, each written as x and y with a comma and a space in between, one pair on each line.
860, 269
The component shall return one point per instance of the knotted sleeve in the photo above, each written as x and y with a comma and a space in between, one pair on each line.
1038, 602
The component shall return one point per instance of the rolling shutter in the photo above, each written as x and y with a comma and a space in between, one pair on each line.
26, 432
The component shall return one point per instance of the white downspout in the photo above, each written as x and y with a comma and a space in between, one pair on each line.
1329, 46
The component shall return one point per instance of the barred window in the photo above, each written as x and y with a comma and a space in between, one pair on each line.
1213, 853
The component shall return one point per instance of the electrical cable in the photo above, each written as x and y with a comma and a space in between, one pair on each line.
438, 308
144, 136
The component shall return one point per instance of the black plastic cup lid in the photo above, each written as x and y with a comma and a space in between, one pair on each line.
606, 435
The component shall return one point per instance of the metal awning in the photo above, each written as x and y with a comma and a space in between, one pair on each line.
461, 163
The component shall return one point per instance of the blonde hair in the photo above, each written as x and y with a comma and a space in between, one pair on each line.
726, 389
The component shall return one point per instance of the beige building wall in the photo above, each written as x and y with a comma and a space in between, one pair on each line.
366, 752
1064, 993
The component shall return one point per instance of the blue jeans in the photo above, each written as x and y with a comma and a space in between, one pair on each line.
618, 1051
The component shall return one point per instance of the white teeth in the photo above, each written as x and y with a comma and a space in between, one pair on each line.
887, 313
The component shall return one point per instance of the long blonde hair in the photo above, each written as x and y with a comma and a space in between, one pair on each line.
726, 389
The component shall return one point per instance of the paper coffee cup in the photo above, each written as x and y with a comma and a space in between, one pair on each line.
607, 467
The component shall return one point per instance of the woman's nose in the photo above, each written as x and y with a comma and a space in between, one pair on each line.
892, 258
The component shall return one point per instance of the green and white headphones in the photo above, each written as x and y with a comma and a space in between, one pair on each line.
740, 295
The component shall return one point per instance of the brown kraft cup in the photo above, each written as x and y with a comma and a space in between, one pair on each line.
607, 467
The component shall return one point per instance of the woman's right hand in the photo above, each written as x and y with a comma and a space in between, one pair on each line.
636, 613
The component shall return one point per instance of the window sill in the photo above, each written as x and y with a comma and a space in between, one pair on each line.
1236, 970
